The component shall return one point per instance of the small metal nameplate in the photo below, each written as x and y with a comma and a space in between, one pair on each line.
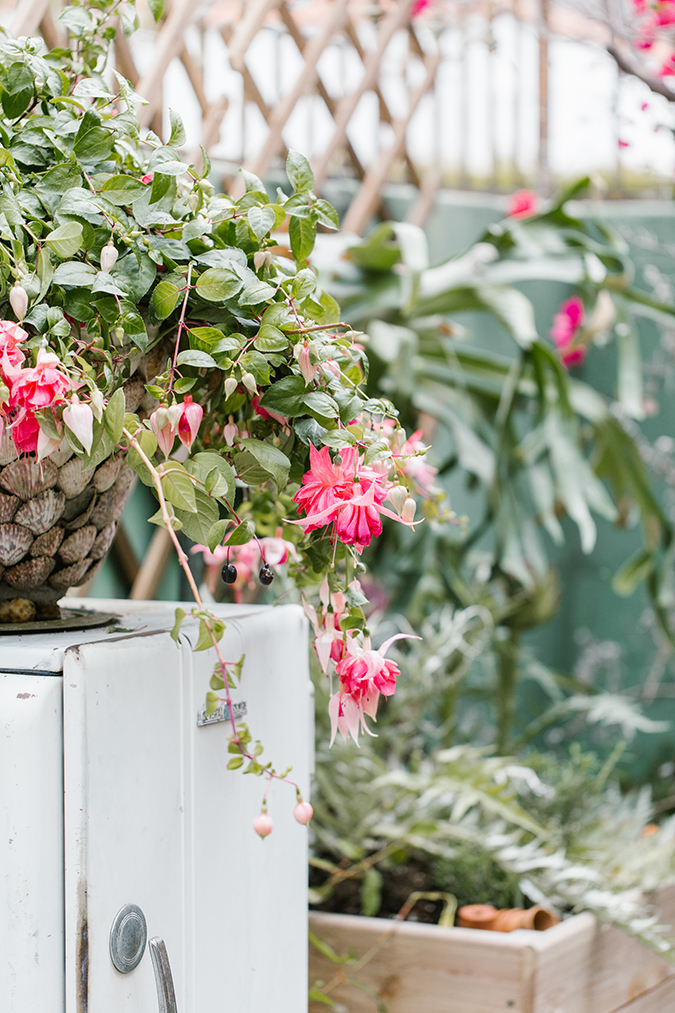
221, 713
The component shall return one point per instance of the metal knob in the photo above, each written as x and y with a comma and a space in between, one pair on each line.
166, 995
128, 936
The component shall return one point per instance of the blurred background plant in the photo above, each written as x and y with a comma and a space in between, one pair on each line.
494, 776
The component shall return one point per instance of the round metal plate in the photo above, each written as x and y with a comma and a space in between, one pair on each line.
128, 937
71, 619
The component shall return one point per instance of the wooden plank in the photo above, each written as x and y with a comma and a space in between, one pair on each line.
425, 968
168, 44
153, 566
658, 1000
196, 77
50, 31
282, 111
27, 17
123, 555
210, 131
391, 23
363, 204
124, 61
420, 210
246, 29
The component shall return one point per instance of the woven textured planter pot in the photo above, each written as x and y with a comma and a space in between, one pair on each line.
56, 524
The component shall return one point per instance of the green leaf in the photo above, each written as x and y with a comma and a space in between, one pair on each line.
326, 214
121, 190
135, 274
205, 462
218, 285
270, 339
235, 762
74, 274
322, 404
200, 360
242, 534
18, 84
180, 616
371, 892
217, 533
163, 300
66, 240
302, 234
287, 397
157, 8
261, 220
256, 293
178, 486
93, 143
299, 172
178, 136
198, 525
205, 641
271, 459
113, 416
630, 372
633, 572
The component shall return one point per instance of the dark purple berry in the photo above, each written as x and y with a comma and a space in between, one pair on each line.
266, 575
229, 573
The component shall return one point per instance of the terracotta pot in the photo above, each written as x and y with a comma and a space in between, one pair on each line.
485, 916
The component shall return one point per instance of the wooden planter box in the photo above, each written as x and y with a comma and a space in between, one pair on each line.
579, 966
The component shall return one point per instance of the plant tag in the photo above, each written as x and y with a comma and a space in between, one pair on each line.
221, 713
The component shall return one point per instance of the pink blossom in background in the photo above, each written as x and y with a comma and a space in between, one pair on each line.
623, 144
522, 204
566, 323
416, 468
419, 7
148, 178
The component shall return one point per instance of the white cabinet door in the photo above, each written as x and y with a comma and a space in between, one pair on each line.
31, 844
154, 818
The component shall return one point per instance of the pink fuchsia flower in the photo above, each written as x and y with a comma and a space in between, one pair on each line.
42, 385
416, 467
365, 675
419, 7
79, 418
189, 421
566, 324
326, 485
18, 300
148, 178
230, 431
11, 357
26, 432
266, 413
522, 204
328, 637
262, 825
303, 813
302, 352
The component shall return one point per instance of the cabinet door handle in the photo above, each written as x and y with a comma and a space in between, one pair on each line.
166, 995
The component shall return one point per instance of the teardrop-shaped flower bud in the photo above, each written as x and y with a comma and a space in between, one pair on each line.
18, 300
397, 497
80, 420
303, 813
230, 386
109, 256
262, 825
189, 422
408, 511
248, 381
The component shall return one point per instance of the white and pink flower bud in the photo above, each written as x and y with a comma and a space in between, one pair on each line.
80, 420
302, 353
189, 422
397, 496
263, 258
164, 424
231, 385
248, 381
262, 825
230, 432
303, 813
109, 257
408, 511
46, 445
18, 300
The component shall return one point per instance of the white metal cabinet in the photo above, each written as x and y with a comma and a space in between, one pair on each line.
153, 817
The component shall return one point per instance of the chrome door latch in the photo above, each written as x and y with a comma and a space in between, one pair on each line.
166, 995
128, 937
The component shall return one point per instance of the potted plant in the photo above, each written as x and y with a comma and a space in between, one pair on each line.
152, 326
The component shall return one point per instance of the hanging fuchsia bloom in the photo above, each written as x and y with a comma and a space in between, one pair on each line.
566, 324
329, 640
348, 492
365, 675
11, 357
189, 421
523, 204
302, 354
40, 386
80, 420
